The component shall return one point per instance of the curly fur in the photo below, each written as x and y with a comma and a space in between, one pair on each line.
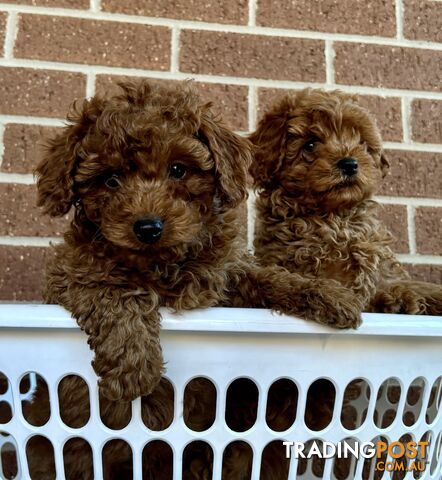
315, 221
112, 283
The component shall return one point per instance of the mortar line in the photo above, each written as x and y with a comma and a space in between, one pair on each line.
90, 84
252, 13
252, 107
20, 178
412, 146
411, 228
45, 121
405, 111
420, 259
95, 6
399, 19
175, 50
31, 241
329, 62
10, 35
414, 201
251, 215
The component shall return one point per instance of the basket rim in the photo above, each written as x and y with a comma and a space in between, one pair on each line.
229, 320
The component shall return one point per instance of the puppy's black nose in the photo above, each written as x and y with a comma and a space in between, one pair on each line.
348, 166
148, 230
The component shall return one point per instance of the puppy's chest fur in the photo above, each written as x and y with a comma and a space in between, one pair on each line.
351, 247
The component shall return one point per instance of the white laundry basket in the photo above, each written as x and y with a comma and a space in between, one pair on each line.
397, 360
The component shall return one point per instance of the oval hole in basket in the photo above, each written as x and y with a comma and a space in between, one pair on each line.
436, 460
274, 463
4, 383
369, 470
40, 456
157, 461
73, 399
157, 408
237, 461
282, 402
401, 463
387, 400
114, 415
320, 404
78, 459
35, 403
9, 458
117, 460
355, 404
413, 402
426, 437
434, 401
344, 468
241, 404
199, 404
5, 412
198, 460
311, 467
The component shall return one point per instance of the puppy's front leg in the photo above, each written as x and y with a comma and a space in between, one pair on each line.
409, 297
324, 301
123, 328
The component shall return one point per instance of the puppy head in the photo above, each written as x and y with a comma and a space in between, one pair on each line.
147, 168
321, 147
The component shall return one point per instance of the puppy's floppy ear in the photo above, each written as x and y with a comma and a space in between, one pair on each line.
232, 155
385, 164
55, 182
269, 147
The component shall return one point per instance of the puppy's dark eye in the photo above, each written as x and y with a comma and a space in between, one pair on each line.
113, 181
310, 145
177, 171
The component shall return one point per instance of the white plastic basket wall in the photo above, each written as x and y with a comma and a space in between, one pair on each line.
396, 359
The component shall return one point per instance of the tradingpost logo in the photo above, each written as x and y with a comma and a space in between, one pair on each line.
386, 455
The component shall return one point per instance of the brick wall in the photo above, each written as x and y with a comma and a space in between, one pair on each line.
243, 54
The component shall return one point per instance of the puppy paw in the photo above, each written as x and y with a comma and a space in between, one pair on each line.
408, 298
120, 386
335, 306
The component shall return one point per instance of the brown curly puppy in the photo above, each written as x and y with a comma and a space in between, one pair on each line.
318, 161
157, 184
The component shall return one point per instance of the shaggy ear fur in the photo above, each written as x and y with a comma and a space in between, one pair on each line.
61, 154
385, 165
232, 155
269, 147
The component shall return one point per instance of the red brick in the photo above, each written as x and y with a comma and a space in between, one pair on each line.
422, 20
351, 16
394, 217
426, 121
219, 11
413, 174
387, 110
22, 145
22, 273
428, 222
39, 92
425, 273
77, 40
257, 56
19, 215
229, 101
85, 4
387, 66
